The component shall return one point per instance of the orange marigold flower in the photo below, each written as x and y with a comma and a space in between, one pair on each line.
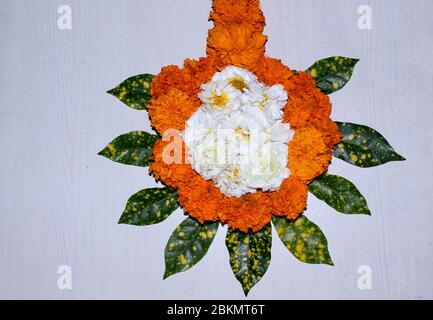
169, 77
330, 132
200, 71
172, 110
309, 155
238, 12
290, 200
188, 79
236, 44
172, 174
199, 198
249, 212
306, 101
272, 71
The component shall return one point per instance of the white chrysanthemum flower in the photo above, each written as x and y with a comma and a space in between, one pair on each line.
220, 98
239, 78
237, 138
265, 101
267, 168
280, 132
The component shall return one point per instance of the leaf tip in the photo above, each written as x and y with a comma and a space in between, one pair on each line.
328, 261
246, 291
102, 152
366, 211
400, 157
166, 275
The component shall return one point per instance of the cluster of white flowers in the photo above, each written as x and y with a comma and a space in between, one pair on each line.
237, 138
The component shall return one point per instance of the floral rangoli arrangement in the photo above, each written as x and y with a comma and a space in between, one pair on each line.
241, 139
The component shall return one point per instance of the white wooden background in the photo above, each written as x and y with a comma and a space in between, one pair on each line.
59, 202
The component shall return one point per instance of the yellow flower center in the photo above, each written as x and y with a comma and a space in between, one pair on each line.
238, 83
262, 105
220, 100
236, 172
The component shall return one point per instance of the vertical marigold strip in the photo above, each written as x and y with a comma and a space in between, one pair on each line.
237, 38
238, 12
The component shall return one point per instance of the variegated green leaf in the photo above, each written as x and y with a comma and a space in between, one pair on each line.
188, 244
304, 240
333, 73
364, 147
250, 255
134, 91
150, 206
340, 194
134, 148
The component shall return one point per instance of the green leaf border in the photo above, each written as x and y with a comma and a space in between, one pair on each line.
333, 73
188, 245
134, 91
134, 148
303, 239
250, 255
364, 147
150, 206
340, 194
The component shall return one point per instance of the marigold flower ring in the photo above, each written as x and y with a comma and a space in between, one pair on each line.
241, 140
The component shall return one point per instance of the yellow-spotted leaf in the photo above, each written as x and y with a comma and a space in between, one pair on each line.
250, 255
333, 73
364, 147
304, 239
340, 194
188, 244
150, 206
134, 91
134, 148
